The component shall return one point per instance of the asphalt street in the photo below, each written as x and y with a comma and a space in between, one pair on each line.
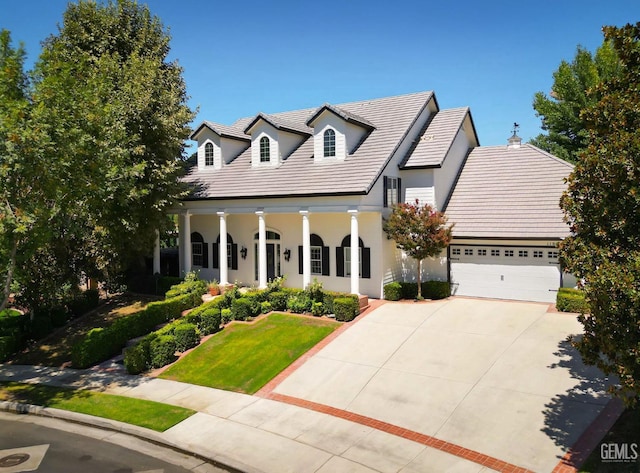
28, 446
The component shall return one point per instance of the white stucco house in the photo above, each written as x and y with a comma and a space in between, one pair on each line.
304, 194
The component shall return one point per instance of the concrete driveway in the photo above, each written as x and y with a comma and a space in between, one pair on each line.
492, 376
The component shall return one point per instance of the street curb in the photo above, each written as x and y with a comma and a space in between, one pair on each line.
141, 433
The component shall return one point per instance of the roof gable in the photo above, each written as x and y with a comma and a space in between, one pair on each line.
343, 114
278, 123
433, 144
223, 131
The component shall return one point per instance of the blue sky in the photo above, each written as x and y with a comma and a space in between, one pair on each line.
243, 57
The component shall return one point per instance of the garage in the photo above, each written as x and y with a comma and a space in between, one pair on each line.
528, 273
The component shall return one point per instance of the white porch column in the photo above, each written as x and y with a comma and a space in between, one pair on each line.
156, 254
187, 243
262, 250
355, 253
224, 268
306, 249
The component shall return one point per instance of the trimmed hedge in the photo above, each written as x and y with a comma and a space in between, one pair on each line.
163, 350
430, 290
278, 300
393, 291
244, 308
100, 344
210, 321
346, 308
571, 300
186, 336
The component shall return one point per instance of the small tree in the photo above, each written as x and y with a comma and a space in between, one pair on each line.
420, 231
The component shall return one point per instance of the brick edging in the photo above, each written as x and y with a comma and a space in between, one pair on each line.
427, 440
590, 438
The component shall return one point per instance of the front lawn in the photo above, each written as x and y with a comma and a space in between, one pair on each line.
245, 357
148, 414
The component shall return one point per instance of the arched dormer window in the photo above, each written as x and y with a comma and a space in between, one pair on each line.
329, 143
265, 150
208, 154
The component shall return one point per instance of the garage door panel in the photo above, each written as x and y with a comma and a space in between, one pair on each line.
518, 278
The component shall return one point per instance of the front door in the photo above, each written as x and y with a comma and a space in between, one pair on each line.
271, 261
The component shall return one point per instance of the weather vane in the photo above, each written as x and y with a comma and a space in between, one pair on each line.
515, 128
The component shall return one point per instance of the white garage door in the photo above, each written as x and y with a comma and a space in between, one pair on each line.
520, 273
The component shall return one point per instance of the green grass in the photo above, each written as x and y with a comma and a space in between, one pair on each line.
245, 357
625, 430
149, 414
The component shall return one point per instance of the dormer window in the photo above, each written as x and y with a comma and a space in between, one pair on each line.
208, 154
265, 149
329, 143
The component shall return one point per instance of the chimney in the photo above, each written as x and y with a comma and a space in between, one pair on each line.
514, 141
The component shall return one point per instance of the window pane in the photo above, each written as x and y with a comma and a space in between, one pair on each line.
265, 152
316, 260
329, 143
208, 154
196, 254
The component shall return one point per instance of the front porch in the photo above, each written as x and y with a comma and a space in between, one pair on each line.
258, 245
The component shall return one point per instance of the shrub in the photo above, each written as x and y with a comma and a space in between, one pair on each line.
59, 316
226, 315
265, 307
278, 300
163, 350
230, 295
346, 308
186, 336
138, 357
165, 283
190, 285
409, 290
41, 326
314, 291
8, 346
243, 308
571, 300
393, 291
299, 303
317, 309
210, 321
436, 289
101, 344
84, 302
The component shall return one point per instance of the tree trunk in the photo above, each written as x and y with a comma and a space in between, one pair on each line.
419, 279
7, 285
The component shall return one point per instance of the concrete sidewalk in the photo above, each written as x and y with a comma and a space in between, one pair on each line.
254, 434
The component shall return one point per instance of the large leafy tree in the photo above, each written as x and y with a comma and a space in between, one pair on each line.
101, 133
573, 90
27, 179
602, 205
418, 230
117, 109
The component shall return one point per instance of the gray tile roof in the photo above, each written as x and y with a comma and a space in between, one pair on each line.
435, 141
222, 130
347, 116
509, 193
299, 174
280, 123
